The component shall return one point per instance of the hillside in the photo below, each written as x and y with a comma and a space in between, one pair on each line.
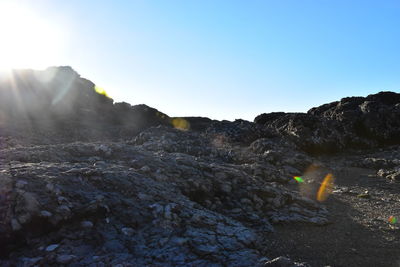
89, 182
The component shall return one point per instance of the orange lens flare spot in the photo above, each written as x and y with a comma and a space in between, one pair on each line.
326, 187
392, 220
180, 124
299, 179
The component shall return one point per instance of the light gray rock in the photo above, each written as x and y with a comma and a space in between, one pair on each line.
52, 247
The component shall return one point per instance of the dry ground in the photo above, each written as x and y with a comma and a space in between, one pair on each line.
359, 235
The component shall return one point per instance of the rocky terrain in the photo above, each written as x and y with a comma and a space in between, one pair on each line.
85, 181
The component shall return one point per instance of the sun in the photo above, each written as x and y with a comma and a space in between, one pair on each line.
26, 39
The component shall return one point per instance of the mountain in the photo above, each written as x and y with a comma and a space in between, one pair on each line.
85, 181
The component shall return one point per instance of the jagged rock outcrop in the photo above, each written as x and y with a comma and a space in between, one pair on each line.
352, 122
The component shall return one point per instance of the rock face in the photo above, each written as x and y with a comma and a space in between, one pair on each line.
61, 105
93, 183
352, 122
165, 198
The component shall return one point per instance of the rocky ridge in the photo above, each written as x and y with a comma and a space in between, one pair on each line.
134, 187
352, 122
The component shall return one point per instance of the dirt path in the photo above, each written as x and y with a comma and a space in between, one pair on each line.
359, 235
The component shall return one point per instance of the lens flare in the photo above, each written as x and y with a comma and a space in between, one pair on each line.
299, 179
180, 124
159, 114
326, 187
392, 220
101, 91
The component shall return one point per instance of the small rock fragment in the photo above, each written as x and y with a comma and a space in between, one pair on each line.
145, 169
52, 247
127, 231
65, 259
226, 188
21, 184
46, 214
86, 224
15, 225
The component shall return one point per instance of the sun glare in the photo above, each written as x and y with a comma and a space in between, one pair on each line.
27, 40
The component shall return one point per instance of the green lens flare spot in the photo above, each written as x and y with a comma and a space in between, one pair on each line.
392, 220
299, 179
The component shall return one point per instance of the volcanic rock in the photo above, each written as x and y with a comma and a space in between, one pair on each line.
352, 122
58, 104
88, 182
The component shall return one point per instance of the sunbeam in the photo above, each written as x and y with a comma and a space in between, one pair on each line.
27, 40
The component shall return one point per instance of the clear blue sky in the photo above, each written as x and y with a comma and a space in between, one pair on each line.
230, 59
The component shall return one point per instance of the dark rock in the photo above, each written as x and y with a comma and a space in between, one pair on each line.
239, 131
65, 259
266, 118
351, 123
58, 104
93, 183
198, 123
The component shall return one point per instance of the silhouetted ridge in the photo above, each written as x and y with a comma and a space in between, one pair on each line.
57, 100
59, 104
